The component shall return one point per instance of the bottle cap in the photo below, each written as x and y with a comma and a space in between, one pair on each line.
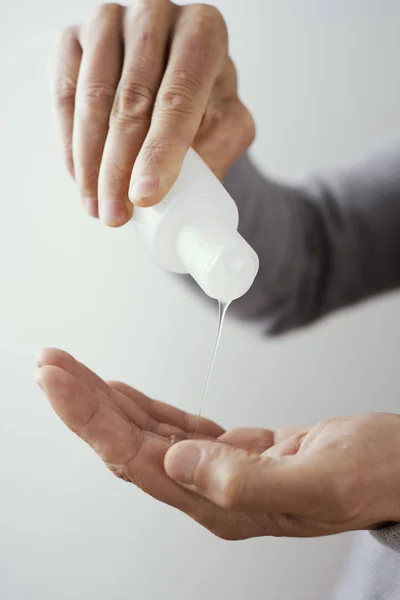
218, 258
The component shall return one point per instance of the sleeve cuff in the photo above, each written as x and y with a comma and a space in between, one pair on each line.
388, 536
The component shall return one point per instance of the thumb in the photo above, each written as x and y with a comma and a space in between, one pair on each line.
236, 479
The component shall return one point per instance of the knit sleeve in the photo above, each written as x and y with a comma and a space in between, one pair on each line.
323, 245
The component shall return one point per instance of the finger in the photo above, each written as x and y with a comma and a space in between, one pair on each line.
111, 436
132, 455
287, 447
279, 443
63, 360
180, 437
287, 442
146, 30
198, 48
249, 439
287, 432
238, 480
129, 453
227, 129
170, 414
97, 83
63, 89
126, 407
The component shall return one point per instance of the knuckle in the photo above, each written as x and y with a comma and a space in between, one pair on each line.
146, 25
64, 92
105, 10
63, 86
208, 19
97, 95
102, 21
208, 14
179, 97
133, 104
67, 35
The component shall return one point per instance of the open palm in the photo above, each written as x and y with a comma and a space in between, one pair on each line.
132, 433
340, 474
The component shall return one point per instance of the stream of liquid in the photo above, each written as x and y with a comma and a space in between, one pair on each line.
222, 308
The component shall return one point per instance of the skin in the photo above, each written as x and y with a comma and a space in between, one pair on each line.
338, 475
133, 88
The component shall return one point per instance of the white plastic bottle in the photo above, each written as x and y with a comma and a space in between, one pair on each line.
194, 230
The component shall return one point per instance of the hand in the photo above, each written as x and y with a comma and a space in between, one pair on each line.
133, 89
339, 475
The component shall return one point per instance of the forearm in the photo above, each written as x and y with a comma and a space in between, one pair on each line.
322, 246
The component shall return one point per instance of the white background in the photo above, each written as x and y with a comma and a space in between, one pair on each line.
323, 81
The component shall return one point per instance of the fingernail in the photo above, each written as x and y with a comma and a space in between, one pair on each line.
182, 462
143, 186
114, 213
91, 207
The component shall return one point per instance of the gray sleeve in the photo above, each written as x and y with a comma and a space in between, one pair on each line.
389, 536
322, 246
